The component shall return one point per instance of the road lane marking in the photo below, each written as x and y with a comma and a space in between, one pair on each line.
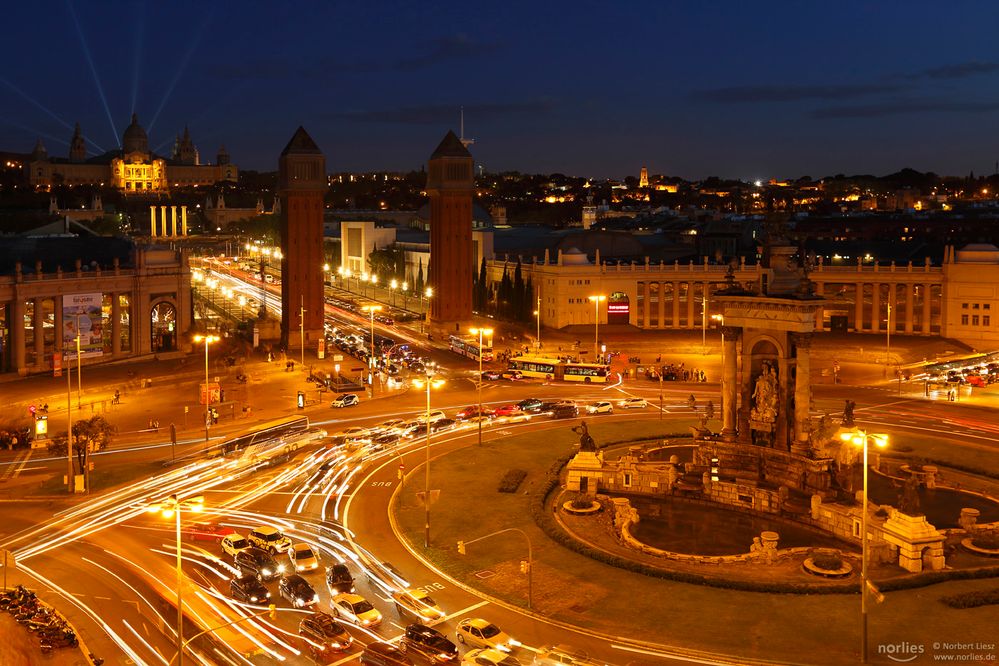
464, 611
680, 657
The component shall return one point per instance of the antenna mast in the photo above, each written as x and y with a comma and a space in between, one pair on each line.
465, 142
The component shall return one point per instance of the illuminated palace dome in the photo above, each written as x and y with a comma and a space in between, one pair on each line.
135, 140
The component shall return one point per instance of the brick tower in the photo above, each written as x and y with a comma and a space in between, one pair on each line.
302, 185
450, 185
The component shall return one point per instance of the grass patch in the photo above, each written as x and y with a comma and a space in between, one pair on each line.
512, 480
973, 599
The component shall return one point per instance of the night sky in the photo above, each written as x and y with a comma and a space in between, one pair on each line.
734, 89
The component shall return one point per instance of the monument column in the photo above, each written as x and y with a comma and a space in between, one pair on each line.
858, 308
662, 304
690, 304
875, 307
183, 220
802, 392
909, 307
891, 323
173, 221
17, 332
38, 323
730, 388
57, 340
115, 324
927, 290
675, 323
152, 221
820, 313
163, 220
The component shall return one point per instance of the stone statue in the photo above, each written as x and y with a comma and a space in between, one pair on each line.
757, 546
908, 501
586, 442
765, 396
848, 412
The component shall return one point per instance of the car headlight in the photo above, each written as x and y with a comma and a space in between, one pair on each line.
280, 568
315, 598
299, 568
268, 595
365, 621
253, 599
266, 572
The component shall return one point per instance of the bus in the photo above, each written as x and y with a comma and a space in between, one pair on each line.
271, 431
469, 347
557, 369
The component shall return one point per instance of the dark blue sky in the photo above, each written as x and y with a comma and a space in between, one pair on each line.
735, 89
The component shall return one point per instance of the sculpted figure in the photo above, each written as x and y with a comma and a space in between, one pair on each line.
586, 442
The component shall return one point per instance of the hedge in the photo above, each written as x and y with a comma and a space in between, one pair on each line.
512, 480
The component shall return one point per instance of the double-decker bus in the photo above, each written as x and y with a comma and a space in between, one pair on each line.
470, 347
557, 369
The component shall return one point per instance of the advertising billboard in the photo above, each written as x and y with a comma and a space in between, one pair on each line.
81, 313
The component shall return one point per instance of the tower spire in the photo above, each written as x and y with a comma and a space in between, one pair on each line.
465, 142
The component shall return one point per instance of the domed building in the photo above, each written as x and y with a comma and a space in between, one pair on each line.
134, 169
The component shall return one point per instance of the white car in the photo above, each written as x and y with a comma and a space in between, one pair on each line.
234, 543
561, 655
478, 633
356, 609
303, 558
632, 403
385, 427
419, 605
356, 434
488, 657
435, 415
602, 407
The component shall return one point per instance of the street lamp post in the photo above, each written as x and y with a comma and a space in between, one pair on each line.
301, 328
488, 333
704, 319
405, 296
537, 314
171, 508
371, 310
428, 292
888, 341
596, 321
429, 382
861, 438
530, 556
393, 285
207, 339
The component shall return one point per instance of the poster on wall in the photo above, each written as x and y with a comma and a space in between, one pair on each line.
81, 313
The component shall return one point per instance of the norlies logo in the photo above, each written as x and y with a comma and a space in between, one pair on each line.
901, 652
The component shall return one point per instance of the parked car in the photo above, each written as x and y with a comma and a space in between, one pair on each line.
258, 563
602, 407
384, 654
297, 591
418, 605
270, 539
346, 400
303, 558
488, 657
339, 580
632, 403
478, 633
431, 644
248, 588
208, 532
324, 635
355, 608
234, 543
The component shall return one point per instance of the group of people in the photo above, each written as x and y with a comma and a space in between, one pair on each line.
674, 372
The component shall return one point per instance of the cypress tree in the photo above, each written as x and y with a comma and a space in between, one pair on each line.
517, 297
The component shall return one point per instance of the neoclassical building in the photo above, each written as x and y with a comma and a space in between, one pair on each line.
140, 300
134, 169
957, 299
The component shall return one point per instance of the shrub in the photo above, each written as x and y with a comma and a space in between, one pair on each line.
987, 540
512, 480
973, 599
581, 502
827, 561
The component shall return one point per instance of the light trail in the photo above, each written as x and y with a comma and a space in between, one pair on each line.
93, 70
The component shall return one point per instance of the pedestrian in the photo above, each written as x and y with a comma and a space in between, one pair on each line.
117, 397
692, 402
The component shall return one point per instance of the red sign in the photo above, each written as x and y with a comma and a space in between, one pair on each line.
617, 307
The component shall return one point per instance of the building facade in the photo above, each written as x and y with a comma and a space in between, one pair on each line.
134, 169
957, 299
139, 310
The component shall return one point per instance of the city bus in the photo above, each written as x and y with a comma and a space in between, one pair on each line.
469, 347
559, 370
271, 431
